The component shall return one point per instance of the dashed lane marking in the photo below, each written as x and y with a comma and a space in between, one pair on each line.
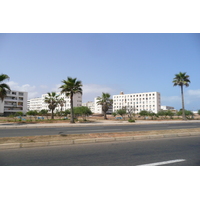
164, 162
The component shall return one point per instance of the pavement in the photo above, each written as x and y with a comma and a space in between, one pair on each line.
97, 122
92, 140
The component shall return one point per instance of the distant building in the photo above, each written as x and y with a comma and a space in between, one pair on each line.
149, 101
15, 101
167, 108
39, 104
90, 105
35, 104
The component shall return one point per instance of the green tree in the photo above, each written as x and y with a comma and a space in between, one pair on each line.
105, 102
170, 114
188, 113
19, 114
130, 111
44, 112
66, 112
181, 80
70, 87
61, 103
114, 114
121, 112
33, 113
143, 113
3, 87
161, 113
151, 114
82, 111
52, 100
198, 112
179, 113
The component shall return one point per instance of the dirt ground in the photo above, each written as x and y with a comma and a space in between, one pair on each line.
48, 138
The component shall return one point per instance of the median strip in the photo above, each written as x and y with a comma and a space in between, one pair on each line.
69, 139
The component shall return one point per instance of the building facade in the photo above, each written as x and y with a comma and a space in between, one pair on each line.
90, 105
35, 104
149, 101
15, 101
39, 104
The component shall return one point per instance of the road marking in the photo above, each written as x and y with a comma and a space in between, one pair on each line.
163, 163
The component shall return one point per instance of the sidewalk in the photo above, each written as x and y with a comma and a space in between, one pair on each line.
97, 122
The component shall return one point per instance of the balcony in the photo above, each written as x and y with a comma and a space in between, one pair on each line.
12, 109
9, 104
11, 98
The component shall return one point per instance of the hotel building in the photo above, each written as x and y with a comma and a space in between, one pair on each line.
149, 101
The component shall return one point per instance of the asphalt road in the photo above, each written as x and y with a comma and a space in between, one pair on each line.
93, 129
162, 152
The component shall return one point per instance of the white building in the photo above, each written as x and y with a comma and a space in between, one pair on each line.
35, 104
90, 105
39, 104
149, 101
15, 101
98, 108
167, 108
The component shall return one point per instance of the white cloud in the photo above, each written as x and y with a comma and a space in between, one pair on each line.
170, 99
97, 89
32, 92
194, 93
90, 91
43, 86
56, 88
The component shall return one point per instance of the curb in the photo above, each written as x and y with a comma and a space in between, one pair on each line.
93, 140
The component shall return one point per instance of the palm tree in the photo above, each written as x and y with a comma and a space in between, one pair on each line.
61, 103
70, 87
105, 102
52, 100
3, 87
182, 79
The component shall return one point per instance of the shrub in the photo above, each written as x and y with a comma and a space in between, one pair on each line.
131, 120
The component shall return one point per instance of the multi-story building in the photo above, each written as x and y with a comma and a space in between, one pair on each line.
90, 105
35, 104
149, 101
39, 104
15, 101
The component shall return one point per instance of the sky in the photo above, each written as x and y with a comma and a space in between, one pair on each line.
104, 62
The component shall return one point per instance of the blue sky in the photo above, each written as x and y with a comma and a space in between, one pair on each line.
128, 62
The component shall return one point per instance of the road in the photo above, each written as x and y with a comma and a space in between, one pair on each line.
93, 129
165, 152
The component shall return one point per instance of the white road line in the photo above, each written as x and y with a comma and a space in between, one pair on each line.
163, 163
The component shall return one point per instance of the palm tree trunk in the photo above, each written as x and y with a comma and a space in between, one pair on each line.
104, 113
52, 117
72, 111
183, 108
